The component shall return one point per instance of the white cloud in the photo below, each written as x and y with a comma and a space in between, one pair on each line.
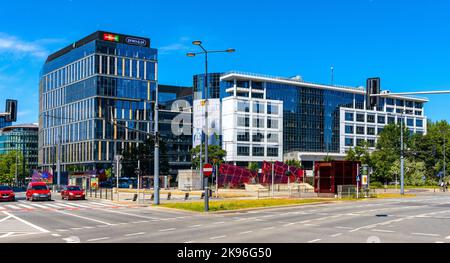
11, 44
172, 48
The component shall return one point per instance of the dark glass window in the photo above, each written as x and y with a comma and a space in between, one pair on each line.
258, 137
243, 136
272, 123
272, 109
360, 142
258, 107
243, 150
371, 143
349, 116
360, 118
390, 102
272, 137
370, 130
258, 122
272, 152
410, 122
419, 123
349, 142
419, 105
400, 103
382, 119
409, 104
380, 130
360, 130
349, 129
418, 113
243, 121
391, 120
243, 106
390, 109
258, 151
371, 118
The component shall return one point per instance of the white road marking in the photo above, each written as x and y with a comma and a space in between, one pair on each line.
336, 235
218, 223
135, 234
314, 241
246, 232
189, 242
101, 204
382, 231
439, 242
128, 214
54, 206
218, 237
344, 227
268, 228
195, 226
56, 235
62, 230
425, 234
4, 219
2, 208
26, 206
66, 205
7, 234
88, 227
83, 217
82, 206
27, 223
289, 224
76, 228
13, 207
40, 206
98, 239
166, 230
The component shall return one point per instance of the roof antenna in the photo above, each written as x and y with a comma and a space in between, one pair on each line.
332, 75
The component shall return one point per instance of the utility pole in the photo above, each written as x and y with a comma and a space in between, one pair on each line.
273, 180
58, 162
402, 159
156, 165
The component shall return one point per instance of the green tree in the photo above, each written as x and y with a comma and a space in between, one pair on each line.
414, 172
215, 152
8, 163
294, 163
360, 153
328, 159
253, 167
145, 152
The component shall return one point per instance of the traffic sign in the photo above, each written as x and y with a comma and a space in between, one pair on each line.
207, 170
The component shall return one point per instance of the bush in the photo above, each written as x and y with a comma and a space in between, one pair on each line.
376, 185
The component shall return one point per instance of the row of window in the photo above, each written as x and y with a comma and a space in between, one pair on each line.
349, 116
257, 151
244, 136
350, 142
402, 103
258, 122
258, 107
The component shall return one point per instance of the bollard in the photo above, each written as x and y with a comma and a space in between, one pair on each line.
153, 197
106, 193
101, 194
186, 196
203, 196
210, 193
169, 196
135, 197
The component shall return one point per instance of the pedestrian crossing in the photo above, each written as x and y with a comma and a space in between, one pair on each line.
54, 205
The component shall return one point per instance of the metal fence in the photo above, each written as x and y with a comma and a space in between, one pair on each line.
286, 191
349, 191
102, 193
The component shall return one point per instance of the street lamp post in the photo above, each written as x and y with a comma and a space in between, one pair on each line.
402, 159
205, 97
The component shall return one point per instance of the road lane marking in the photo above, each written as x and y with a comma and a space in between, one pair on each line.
189, 242
100, 204
88, 227
13, 207
425, 234
7, 235
97, 239
2, 208
336, 235
289, 224
4, 219
135, 234
195, 226
314, 241
56, 235
382, 231
65, 205
85, 218
268, 228
82, 206
166, 230
27, 223
53, 206
76, 228
344, 227
218, 237
40, 206
26, 206
218, 223
128, 214
62, 230
246, 232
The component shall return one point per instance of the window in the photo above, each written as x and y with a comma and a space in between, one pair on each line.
258, 107
272, 123
371, 143
258, 137
380, 130
243, 106
360, 142
419, 123
272, 152
382, 119
349, 129
243, 150
243, 136
371, 118
272, 109
419, 105
258, 151
400, 103
243, 121
272, 137
360, 118
418, 113
410, 122
349, 142
390, 102
370, 130
391, 120
349, 116
409, 104
390, 109
258, 123
360, 130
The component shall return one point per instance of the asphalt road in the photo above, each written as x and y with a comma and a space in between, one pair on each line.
409, 220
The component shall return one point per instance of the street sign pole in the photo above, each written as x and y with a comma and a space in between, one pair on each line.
207, 172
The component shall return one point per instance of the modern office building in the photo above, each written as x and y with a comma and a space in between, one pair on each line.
10, 115
3, 120
321, 120
22, 139
86, 87
213, 85
175, 125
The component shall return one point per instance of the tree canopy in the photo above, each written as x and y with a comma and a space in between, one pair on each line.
215, 155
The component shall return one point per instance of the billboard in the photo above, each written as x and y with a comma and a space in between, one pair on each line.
44, 176
199, 124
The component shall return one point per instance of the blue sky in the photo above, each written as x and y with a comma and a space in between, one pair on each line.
406, 43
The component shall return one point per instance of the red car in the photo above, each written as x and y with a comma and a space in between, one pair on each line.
73, 192
7, 193
38, 191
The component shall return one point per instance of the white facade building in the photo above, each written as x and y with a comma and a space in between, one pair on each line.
252, 129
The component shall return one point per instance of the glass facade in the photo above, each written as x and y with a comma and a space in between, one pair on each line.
213, 84
3, 122
83, 87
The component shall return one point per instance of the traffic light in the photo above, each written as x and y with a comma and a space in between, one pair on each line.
373, 88
11, 109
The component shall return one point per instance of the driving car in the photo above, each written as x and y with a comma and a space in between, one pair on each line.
38, 191
7, 193
73, 192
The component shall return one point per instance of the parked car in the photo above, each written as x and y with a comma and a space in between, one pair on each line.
38, 191
7, 193
73, 192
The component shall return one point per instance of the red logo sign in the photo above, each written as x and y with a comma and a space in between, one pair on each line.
207, 170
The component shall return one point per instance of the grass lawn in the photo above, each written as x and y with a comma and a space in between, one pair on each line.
395, 195
215, 206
